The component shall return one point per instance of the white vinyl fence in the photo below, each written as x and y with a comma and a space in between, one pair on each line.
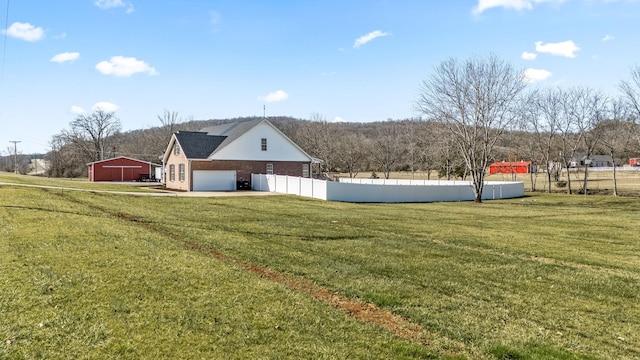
384, 191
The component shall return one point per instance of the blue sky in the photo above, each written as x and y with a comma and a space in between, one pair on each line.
352, 60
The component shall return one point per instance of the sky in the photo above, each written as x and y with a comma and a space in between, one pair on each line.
351, 61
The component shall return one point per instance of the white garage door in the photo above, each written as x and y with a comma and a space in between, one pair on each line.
214, 180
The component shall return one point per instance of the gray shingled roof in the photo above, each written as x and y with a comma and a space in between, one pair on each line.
201, 144
196, 144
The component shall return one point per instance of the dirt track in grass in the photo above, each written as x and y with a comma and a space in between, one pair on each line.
360, 310
363, 311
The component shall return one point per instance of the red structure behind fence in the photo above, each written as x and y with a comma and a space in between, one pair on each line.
510, 167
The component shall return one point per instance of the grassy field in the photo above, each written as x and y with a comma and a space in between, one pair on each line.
83, 184
98, 275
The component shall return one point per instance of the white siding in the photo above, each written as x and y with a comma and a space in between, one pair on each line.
248, 147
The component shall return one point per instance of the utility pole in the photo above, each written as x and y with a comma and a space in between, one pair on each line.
15, 154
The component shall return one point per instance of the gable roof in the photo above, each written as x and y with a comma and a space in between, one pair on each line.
197, 144
122, 157
206, 142
231, 131
201, 144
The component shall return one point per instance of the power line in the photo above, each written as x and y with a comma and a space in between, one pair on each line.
15, 154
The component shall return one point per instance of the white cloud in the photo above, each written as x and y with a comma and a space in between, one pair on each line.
535, 75
370, 36
24, 31
608, 38
275, 96
121, 66
105, 106
338, 119
529, 56
109, 4
65, 56
510, 4
565, 48
214, 17
77, 110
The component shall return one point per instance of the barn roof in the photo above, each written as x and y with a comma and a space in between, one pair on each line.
122, 157
511, 163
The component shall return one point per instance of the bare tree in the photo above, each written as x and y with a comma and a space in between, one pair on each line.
169, 120
351, 152
544, 116
631, 94
443, 151
428, 146
89, 134
413, 140
476, 100
587, 108
317, 137
616, 133
631, 90
387, 149
64, 160
8, 162
569, 132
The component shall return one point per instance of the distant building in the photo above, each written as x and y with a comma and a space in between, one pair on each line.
122, 169
593, 161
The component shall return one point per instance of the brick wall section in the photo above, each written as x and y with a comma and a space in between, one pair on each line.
246, 168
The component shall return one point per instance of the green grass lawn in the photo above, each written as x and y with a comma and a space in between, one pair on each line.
83, 184
98, 275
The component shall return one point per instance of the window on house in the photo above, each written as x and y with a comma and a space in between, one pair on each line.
263, 144
176, 149
305, 170
181, 172
270, 169
172, 172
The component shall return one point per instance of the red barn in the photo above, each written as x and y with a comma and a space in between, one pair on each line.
121, 169
515, 167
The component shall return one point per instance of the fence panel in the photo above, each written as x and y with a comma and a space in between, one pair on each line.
382, 190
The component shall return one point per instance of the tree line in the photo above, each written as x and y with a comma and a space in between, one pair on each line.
469, 113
